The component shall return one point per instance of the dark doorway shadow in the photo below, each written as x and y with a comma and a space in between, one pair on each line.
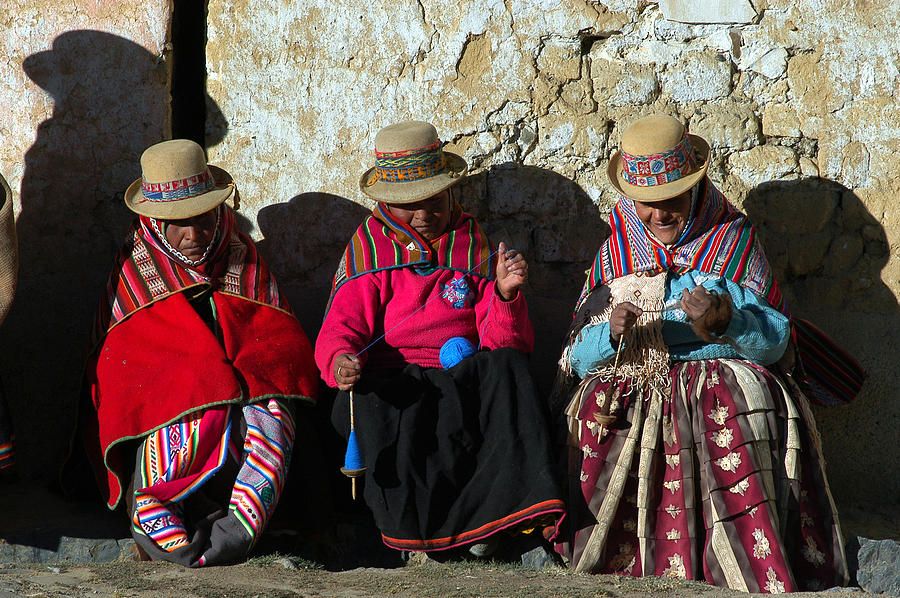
109, 103
303, 240
555, 223
828, 252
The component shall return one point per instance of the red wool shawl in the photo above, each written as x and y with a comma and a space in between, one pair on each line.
155, 359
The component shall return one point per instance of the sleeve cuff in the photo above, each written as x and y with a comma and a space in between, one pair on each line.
509, 309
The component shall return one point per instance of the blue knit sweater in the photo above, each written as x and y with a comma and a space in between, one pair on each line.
757, 331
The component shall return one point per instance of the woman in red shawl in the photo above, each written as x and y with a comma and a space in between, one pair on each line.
689, 455
196, 360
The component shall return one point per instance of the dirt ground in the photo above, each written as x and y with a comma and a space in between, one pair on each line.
282, 577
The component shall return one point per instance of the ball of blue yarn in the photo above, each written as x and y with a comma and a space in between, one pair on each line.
455, 350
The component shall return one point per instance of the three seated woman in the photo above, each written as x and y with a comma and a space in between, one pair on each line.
688, 453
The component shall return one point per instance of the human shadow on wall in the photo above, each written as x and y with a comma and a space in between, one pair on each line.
110, 102
557, 226
828, 252
303, 240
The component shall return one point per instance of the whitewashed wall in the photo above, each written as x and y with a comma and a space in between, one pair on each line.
83, 89
785, 91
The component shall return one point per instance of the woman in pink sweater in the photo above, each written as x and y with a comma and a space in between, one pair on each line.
453, 435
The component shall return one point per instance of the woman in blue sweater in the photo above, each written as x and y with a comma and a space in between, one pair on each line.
687, 456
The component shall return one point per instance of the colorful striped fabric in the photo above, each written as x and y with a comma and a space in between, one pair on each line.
7, 454
830, 376
267, 453
178, 459
145, 271
718, 240
175, 461
383, 243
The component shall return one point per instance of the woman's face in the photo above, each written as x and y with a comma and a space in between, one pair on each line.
191, 236
666, 219
430, 217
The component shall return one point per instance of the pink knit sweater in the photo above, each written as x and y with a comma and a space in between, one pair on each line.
455, 305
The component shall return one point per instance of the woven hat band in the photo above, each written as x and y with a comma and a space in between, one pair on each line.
192, 186
410, 165
659, 169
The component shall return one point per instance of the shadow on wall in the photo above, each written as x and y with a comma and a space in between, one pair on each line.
110, 103
539, 212
303, 241
555, 224
828, 252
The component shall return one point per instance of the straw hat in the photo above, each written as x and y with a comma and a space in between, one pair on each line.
410, 164
658, 160
177, 183
9, 252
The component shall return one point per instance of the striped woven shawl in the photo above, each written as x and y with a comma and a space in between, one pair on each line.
384, 243
718, 239
146, 271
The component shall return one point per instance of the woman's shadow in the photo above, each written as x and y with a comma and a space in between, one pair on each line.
828, 253
557, 226
110, 102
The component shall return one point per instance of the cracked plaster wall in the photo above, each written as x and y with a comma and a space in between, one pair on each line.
84, 88
785, 91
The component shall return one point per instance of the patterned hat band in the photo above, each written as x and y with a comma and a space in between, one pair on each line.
179, 189
410, 165
658, 169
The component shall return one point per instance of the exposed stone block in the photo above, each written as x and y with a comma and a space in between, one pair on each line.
879, 566
698, 76
763, 164
618, 84
730, 126
700, 11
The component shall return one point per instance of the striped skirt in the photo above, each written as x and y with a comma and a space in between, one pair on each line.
205, 486
718, 478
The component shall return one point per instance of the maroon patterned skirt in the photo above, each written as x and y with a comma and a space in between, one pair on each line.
718, 477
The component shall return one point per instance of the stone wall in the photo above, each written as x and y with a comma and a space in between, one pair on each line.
83, 88
535, 94
797, 100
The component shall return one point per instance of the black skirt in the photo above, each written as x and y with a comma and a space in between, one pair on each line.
454, 456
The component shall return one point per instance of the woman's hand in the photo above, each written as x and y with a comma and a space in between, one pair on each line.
512, 272
347, 371
708, 313
622, 319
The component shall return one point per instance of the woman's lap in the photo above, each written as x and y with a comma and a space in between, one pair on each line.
204, 487
715, 479
456, 455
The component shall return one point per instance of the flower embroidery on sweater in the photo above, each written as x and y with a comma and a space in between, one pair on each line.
458, 293
723, 438
719, 414
740, 487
